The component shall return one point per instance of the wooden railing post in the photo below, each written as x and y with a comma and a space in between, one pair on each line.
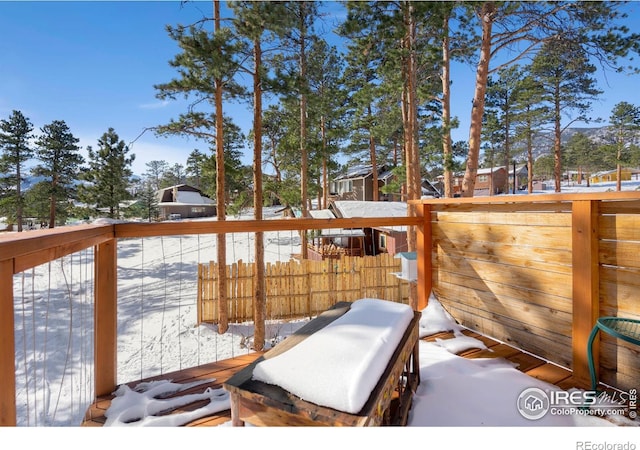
424, 248
7, 347
106, 306
586, 288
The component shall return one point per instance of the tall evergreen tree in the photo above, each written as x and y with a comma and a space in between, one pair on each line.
207, 65
109, 174
15, 151
291, 68
58, 152
38, 204
457, 39
234, 142
501, 102
148, 201
252, 21
174, 175
155, 172
565, 75
326, 100
532, 113
193, 169
493, 137
363, 83
625, 123
279, 147
579, 154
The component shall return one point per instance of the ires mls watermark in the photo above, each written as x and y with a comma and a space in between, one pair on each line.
535, 403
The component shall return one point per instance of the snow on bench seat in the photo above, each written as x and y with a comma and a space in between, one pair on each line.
340, 365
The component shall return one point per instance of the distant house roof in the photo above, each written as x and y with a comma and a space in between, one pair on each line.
184, 195
386, 175
484, 171
353, 208
321, 214
489, 170
334, 232
363, 171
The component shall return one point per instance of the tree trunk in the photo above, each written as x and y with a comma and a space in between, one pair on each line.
411, 130
374, 160
19, 213
618, 158
447, 149
530, 161
507, 153
477, 111
52, 202
557, 162
304, 169
259, 299
325, 170
221, 213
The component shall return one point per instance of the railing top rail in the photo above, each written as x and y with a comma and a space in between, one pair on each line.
123, 230
31, 248
54, 242
532, 198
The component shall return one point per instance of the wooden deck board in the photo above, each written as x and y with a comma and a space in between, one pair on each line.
225, 369
551, 373
221, 371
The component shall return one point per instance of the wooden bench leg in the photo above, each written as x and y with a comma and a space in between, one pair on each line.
235, 411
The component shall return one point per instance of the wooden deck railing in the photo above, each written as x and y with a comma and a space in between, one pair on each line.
535, 271
20, 252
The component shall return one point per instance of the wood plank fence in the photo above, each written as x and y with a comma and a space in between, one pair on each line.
537, 274
297, 289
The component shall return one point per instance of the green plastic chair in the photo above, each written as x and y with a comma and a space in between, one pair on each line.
621, 328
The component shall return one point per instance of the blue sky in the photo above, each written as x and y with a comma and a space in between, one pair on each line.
94, 64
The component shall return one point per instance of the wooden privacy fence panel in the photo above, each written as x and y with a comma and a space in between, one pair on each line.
510, 270
619, 274
305, 288
507, 274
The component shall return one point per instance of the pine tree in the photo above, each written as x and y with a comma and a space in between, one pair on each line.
532, 113
174, 175
108, 176
578, 152
565, 75
193, 169
625, 122
327, 97
15, 151
148, 201
155, 172
207, 65
60, 163
501, 101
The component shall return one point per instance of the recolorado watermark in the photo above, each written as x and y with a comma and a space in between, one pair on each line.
591, 445
535, 403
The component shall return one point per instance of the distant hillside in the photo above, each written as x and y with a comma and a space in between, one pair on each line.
543, 142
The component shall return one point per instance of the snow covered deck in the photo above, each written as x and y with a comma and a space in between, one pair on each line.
489, 350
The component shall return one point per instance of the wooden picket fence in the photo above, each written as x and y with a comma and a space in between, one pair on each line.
298, 289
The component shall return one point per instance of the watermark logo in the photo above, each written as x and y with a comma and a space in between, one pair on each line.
535, 403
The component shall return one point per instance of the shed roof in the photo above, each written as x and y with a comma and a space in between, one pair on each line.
354, 208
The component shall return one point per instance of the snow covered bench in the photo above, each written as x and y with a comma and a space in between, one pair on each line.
356, 364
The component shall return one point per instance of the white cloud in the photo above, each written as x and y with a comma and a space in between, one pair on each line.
154, 105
